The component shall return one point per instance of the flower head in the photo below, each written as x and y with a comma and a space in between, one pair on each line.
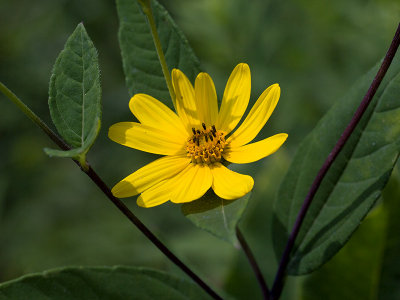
196, 140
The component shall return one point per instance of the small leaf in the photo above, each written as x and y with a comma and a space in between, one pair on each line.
368, 267
75, 94
141, 65
216, 215
100, 283
353, 183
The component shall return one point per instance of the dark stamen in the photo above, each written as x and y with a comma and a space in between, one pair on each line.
211, 138
213, 133
204, 126
194, 131
213, 128
198, 143
206, 138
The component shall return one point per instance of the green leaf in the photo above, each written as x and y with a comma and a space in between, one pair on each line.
75, 94
368, 267
141, 65
100, 283
216, 215
353, 183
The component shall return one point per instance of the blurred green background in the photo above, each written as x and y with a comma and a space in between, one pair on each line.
52, 215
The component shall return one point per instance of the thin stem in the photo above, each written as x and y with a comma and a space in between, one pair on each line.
147, 9
253, 263
129, 214
278, 283
31, 115
85, 167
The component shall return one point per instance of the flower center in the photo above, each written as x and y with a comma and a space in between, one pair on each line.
206, 145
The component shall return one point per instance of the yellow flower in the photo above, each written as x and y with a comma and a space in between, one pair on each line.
196, 140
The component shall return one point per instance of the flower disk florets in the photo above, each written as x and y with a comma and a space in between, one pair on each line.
206, 145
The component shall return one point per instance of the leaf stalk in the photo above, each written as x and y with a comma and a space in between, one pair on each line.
148, 11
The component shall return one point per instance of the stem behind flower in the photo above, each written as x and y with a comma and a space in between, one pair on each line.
148, 11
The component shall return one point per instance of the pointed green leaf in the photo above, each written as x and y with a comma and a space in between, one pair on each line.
100, 283
216, 215
354, 181
368, 267
141, 65
75, 94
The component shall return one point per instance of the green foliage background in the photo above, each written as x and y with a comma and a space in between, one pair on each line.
51, 215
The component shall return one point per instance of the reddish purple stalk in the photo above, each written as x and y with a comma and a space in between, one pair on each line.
278, 283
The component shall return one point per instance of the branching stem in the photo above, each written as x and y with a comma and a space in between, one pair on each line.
85, 167
278, 283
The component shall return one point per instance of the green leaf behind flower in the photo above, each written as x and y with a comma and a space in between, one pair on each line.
141, 65
75, 94
216, 215
353, 183
100, 283
368, 267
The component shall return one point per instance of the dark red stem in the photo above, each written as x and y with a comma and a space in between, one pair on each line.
253, 263
278, 283
117, 202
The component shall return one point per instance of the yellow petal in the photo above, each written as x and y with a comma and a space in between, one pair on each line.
236, 98
151, 112
255, 151
257, 117
185, 103
145, 138
188, 185
148, 176
228, 184
206, 99
191, 183
156, 195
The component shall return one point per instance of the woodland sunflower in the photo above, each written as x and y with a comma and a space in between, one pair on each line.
197, 140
